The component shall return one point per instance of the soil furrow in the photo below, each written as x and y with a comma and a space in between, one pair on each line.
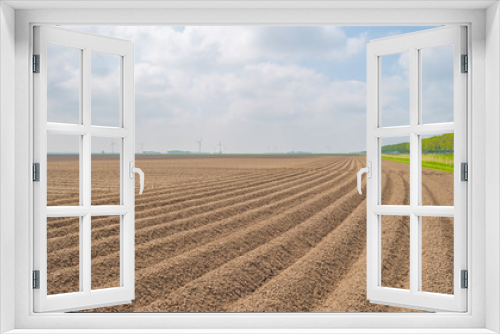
175, 272
58, 228
184, 192
151, 192
243, 275
301, 286
162, 227
311, 278
171, 206
437, 244
255, 234
396, 241
314, 276
176, 244
350, 292
193, 186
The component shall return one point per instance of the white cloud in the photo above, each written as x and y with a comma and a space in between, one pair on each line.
256, 89
199, 46
63, 84
262, 105
395, 90
437, 84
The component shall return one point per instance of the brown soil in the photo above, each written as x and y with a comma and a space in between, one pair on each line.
248, 233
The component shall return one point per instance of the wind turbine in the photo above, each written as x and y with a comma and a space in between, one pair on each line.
220, 147
113, 144
199, 145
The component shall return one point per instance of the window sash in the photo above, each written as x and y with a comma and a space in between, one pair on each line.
414, 298
87, 297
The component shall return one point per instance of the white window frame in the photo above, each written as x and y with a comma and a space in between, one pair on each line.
483, 102
413, 44
86, 44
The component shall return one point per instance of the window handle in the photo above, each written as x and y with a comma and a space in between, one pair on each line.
134, 170
368, 171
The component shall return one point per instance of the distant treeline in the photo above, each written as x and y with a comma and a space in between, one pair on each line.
436, 144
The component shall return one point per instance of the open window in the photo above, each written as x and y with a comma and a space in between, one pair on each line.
76, 208
84, 224
17, 258
413, 219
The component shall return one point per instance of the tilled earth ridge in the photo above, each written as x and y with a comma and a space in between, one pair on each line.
248, 233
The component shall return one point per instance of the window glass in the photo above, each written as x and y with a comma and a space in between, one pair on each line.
395, 89
106, 172
105, 252
395, 257
63, 170
437, 169
437, 254
63, 255
106, 89
395, 178
63, 84
437, 84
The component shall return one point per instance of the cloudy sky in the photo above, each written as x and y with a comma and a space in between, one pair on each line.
252, 89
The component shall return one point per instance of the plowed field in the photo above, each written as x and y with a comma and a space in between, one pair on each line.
248, 233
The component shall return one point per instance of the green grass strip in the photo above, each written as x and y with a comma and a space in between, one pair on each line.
442, 166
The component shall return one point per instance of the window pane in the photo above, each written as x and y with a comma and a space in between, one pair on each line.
437, 84
395, 183
395, 270
106, 171
63, 255
63, 170
437, 169
106, 77
63, 84
437, 254
105, 252
395, 89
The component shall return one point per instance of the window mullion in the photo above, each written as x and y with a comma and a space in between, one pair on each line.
86, 228
414, 171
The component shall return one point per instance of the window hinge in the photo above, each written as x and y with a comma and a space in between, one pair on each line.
464, 171
36, 63
465, 279
36, 279
465, 64
36, 172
